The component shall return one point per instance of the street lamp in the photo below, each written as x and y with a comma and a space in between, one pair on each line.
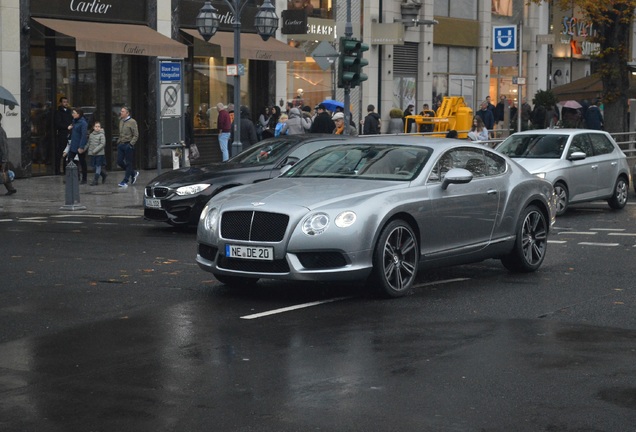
207, 21
266, 20
266, 23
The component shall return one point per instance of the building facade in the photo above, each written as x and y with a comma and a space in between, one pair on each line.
102, 54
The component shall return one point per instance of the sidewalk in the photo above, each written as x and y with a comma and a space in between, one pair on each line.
47, 195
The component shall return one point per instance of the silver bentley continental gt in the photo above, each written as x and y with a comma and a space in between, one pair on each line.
378, 209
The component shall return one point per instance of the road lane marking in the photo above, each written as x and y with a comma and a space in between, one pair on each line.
439, 282
607, 229
292, 308
317, 303
598, 244
579, 232
622, 234
557, 241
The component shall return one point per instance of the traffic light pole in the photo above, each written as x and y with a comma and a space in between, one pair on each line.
347, 89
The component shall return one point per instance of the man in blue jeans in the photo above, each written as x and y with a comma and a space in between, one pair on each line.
128, 136
224, 124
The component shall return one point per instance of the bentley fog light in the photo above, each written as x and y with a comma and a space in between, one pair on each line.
192, 189
345, 219
315, 224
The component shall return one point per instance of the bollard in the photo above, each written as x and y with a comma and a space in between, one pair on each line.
72, 196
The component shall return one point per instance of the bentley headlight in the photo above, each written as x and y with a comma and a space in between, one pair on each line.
540, 175
210, 218
345, 219
315, 224
192, 189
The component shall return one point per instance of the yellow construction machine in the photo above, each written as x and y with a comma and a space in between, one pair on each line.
453, 113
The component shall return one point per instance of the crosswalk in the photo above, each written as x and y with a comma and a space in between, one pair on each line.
599, 237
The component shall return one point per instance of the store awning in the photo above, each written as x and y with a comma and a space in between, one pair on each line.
589, 87
252, 46
111, 38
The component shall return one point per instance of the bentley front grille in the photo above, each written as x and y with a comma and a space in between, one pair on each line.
253, 226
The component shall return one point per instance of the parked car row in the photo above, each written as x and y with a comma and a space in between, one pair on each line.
378, 209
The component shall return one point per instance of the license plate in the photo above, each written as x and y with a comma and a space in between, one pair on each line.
249, 252
153, 202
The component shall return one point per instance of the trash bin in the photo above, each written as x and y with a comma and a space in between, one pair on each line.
178, 152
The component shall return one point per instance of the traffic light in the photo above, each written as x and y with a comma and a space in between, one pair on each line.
351, 62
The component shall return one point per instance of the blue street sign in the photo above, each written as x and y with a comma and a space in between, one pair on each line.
504, 38
170, 71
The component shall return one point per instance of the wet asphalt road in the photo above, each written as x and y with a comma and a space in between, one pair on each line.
109, 325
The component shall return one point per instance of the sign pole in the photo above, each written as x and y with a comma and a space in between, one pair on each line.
520, 72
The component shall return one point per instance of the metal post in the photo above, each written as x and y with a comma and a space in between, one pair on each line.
519, 74
347, 90
237, 146
72, 189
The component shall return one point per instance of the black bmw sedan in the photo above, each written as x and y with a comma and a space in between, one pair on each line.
177, 197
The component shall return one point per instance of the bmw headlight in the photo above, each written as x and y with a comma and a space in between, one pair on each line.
540, 175
192, 189
345, 219
315, 224
210, 218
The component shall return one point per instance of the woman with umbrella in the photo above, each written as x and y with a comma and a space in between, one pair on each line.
571, 114
4, 161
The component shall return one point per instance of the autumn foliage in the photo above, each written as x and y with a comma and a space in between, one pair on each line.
612, 20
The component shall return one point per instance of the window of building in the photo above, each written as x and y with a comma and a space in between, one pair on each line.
457, 67
466, 9
405, 61
502, 7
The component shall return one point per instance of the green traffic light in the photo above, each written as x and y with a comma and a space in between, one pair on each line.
351, 62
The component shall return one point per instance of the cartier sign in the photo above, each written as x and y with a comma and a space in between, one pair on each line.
93, 6
294, 22
91, 10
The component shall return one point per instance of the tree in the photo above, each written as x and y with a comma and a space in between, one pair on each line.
612, 21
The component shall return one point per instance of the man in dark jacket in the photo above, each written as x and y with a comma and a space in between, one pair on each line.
409, 122
323, 122
63, 119
594, 117
487, 116
248, 130
500, 111
371, 125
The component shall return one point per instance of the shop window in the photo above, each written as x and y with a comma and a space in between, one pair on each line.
211, 86
308, 84
120, 88
319, 8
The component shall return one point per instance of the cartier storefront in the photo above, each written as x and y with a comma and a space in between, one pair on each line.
100, 55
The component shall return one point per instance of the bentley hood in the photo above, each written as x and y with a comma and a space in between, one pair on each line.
311, 193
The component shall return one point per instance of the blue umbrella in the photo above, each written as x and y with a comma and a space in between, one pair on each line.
331, 104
